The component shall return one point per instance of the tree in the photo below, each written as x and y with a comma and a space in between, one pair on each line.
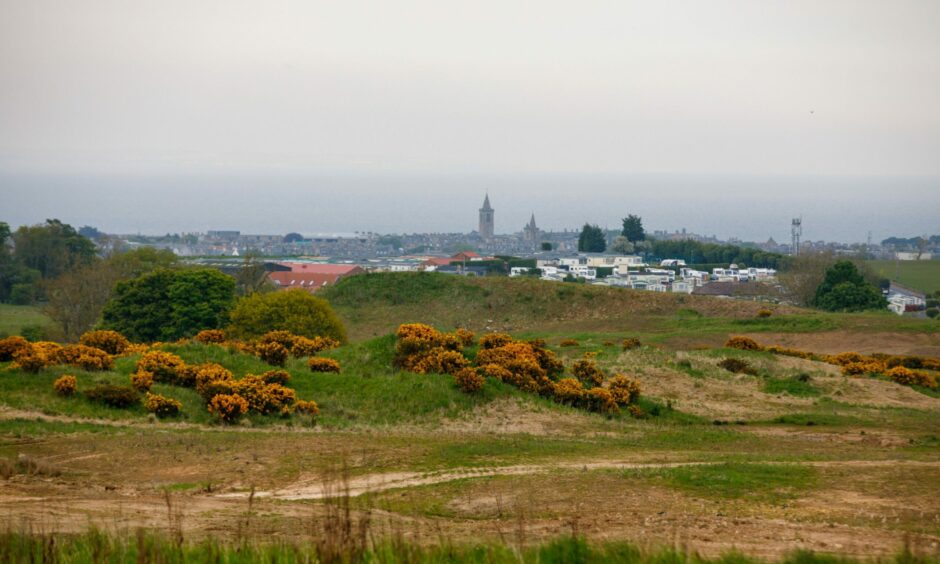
52, 248
622, 246
546, 245
170, 304
252, 276
77, 298
592, 239
293, 310
845, 289
633, 228
293, 238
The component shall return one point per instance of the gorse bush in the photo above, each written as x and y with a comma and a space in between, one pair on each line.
630, 343
85, 357
909, 377
623, 389
162, 406
307, 407
469, 380
743, 343
273, 353
12, 345
569, 391
860, 368
465, 336
281, 377
31, 359
495, 340
164, 366
600, 400
302, 346
283, 338
588, 372
205, 374
229, 408
142, 380
65, 385
764, 313
264, 398
318, 364
210, 336
423, 349
113, 396
110, 342
568, 343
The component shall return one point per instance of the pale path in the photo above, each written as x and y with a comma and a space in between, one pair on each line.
318, 488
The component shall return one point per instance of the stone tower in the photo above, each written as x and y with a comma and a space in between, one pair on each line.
486, 219
530, 233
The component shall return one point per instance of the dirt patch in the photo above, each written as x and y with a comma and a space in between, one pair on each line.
517, 415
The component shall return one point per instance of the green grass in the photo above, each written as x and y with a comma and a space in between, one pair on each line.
95, 546
735, 480
14, 318
923, 275
796, 386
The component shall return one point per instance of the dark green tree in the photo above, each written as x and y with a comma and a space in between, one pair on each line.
845, 289
592, 239
52, 248
168, 304
633, 228
546, 245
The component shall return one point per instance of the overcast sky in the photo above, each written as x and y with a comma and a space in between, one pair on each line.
230, 88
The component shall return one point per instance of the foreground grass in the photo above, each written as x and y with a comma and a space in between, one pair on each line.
94, 547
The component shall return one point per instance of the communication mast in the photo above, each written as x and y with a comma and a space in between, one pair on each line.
796, 231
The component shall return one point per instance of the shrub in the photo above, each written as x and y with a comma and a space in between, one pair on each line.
569, 391
113, 396
205, 374
494, 340
65, 385
568, 343
636, 412
308, 347
293, 310
283, 338
85, 357
743, 343
764, 313
164, 366
273, 353
12, 345
228, 407
264, 398
909, 377
545, 358
469, 380
281, 377
588, 372
496, 371
210, 336
216, 387
737, 365
842, 359
49, 349
31, 359
142, 381
162, 406
630, 343
624, 390
110, 342
440, 361
600, 400
307, 407
465, 336
318, 364
932, 312
860, 368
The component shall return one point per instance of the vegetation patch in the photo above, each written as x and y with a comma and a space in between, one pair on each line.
736, 480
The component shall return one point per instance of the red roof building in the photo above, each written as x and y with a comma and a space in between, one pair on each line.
312, 277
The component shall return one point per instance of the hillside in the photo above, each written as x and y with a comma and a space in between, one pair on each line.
923, 275
375, 304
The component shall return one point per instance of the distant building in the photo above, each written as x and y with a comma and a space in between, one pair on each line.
311, 276
487, 223
913, 256
530, 233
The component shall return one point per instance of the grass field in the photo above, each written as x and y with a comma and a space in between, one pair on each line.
14, 318
923, 275
406, 467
